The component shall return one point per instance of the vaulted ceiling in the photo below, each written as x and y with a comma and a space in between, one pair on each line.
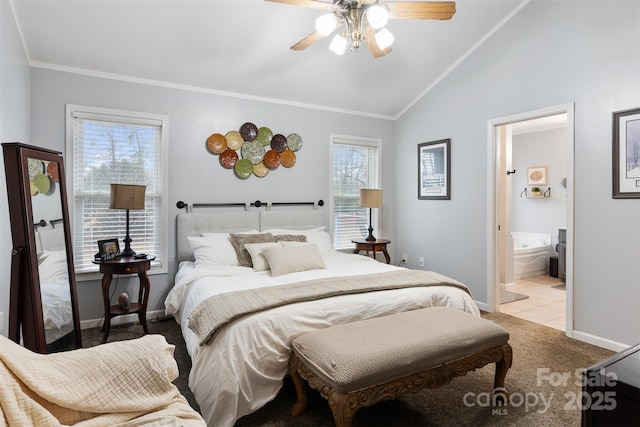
241, 48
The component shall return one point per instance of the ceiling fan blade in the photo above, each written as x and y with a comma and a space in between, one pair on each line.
422, 10
307, 41
372, 44
316, 4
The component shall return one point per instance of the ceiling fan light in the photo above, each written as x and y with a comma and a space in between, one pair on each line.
338, 45
325, 24
384, 38
377, 16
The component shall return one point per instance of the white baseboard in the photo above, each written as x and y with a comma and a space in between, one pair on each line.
600, 342
121, 320
482, 306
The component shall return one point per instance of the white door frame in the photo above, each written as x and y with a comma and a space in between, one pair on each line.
493, 272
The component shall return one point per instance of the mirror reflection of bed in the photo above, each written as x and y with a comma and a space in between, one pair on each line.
54, 284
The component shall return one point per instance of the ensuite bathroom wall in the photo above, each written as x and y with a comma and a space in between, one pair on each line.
535, 221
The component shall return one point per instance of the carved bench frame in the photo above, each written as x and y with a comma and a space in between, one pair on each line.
345, 405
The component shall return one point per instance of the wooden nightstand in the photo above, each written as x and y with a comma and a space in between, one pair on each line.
125, 265
379, 245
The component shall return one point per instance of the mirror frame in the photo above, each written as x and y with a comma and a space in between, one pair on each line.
25, 309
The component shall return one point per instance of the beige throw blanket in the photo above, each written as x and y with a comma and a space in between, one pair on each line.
218, 310
125, 383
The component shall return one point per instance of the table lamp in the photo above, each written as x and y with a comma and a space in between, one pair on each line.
370, 198
127, 196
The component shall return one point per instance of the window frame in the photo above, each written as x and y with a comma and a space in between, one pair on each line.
348, 140
160, 265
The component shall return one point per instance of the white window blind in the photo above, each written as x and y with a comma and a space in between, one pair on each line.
355, 165
108, 149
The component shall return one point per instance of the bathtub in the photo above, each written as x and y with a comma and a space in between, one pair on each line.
531, 253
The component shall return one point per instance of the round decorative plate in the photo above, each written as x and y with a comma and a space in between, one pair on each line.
35, 167
52, 171
279, 142
265, 135
294, 141
288, 158
32, 188
228, 159
249, 131
272, 159
253, 150
42, 183
234, 140
217, 143
260, 170
243, 168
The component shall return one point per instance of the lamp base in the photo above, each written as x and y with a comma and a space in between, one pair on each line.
370, 237
127, 251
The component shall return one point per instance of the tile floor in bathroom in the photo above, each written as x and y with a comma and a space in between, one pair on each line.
545, 305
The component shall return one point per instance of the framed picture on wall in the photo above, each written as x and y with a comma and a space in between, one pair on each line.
537, 175
434, 170
626, 154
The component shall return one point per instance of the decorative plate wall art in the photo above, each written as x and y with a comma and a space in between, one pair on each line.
254, 151
42, 176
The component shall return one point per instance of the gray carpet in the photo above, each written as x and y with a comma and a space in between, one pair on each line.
508, 296
534, 347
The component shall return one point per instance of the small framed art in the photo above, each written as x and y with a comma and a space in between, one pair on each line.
626, 154
434, 170
537, 176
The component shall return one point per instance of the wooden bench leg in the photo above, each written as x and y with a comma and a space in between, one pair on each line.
300, 406
343, 408
502, 367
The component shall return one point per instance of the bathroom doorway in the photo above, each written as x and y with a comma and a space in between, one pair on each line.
521, 281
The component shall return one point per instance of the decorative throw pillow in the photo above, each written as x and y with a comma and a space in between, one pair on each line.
293, 258
290, 238
257, 259
239, 240
316, 235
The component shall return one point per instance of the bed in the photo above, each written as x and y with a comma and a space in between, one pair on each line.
239, 358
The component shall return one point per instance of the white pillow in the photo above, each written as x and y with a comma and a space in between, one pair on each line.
53, 268
257, 258
293, 258
316, 235
215, 249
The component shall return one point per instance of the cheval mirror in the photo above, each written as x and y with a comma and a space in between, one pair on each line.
43, 308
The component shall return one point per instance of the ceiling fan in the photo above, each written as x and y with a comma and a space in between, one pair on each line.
363, 21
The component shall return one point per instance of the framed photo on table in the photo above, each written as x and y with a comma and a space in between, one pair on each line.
434, 170
626, 154
108, 249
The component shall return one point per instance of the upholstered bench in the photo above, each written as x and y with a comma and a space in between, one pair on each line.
359, 364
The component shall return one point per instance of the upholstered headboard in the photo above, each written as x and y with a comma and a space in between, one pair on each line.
194, 224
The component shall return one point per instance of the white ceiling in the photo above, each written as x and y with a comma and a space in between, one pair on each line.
241, 48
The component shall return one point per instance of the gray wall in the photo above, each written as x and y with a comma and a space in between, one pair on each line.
195, 175
539, 215
550, 53
14, 126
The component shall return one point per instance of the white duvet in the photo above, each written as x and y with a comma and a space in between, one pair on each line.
55, 294
242, 368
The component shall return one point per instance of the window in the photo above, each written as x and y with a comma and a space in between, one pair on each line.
355, 164
111, 146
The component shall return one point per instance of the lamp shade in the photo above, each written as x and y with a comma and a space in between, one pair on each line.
370, 198
127, 196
